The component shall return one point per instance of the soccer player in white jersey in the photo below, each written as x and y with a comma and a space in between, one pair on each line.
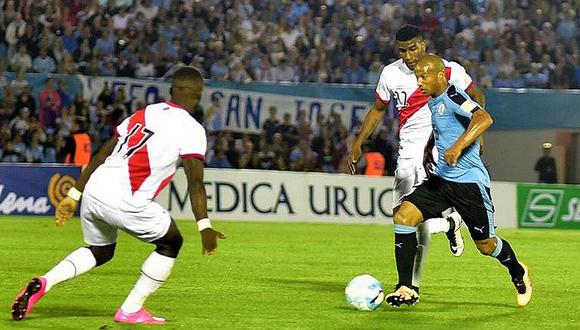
118, 188
398, 84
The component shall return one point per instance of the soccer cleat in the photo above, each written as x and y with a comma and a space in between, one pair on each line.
402, 296
142, 316
28, 297
523, 287
454, 234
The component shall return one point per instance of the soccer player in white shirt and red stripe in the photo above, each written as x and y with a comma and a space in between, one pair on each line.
398, 84
117, 190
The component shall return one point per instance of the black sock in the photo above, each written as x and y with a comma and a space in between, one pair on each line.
405, 251
507, 257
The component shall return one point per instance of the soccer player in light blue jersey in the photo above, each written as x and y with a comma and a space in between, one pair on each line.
460, 180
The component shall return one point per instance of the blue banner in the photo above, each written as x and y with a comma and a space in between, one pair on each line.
244, 107
34, 189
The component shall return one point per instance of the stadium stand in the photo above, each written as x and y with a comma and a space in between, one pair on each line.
501, 43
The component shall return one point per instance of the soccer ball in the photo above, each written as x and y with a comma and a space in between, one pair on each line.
365, 293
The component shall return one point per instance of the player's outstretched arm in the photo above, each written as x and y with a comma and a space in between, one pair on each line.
479, 123
67, 207
198, 198
370, 123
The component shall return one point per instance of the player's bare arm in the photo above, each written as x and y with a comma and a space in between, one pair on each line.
370, 123
198, 198
479, 123
67, 207
478, 96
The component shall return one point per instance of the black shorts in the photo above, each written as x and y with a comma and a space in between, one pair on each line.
471, 200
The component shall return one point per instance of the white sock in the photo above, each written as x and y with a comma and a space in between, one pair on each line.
154, 272
78, 262
437, 225
423, 242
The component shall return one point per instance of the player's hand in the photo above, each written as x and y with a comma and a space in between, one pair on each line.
452, 155
65, 210
209, 237
353, 157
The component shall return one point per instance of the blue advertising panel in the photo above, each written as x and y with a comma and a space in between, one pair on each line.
34, 189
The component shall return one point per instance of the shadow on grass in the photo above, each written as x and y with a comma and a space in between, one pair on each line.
309, 285
469, 303
70, 311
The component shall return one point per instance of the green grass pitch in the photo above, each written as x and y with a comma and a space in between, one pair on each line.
292, 276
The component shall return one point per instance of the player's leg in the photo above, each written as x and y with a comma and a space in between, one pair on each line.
156, 268
476, 206
406, 219
101, 238
450, 224
424, 201
423, 244
406, 177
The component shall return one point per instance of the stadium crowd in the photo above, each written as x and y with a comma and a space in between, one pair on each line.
505, 43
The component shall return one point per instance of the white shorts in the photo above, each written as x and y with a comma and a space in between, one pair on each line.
408, 175
100, 222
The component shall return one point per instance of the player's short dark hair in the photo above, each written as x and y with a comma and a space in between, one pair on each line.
187, 73
407, 33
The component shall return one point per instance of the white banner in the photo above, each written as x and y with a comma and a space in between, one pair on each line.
241, 110
285, 196
252, 195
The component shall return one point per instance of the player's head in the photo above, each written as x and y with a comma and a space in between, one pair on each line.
430, 72
187, 87
410, 45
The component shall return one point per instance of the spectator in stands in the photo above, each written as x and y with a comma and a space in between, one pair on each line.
303, 127
302, 158
266, 156
48, 115
248, 155
44, 63
26, 100
271, 124
354, 73
14, 31
21, 123
21, 61
536, 78
284, 71
48, 92
19, 84
218, 158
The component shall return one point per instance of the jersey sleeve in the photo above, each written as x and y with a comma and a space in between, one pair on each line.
382, 92
461, 103
459, 77
193, 141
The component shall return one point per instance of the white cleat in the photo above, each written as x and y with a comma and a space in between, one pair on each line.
402, 296
523, 287
454, 234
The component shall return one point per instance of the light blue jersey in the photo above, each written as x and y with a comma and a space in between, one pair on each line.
451, 113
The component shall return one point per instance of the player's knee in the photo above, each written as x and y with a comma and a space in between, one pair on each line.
103, 254
486, 246
170, 247
401, 218
407, 214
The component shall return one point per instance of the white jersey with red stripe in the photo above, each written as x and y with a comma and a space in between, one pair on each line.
150, 144
397, 82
